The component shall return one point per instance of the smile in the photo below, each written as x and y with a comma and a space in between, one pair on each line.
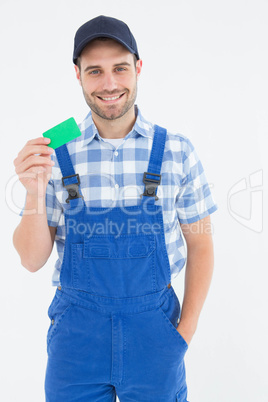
111, 98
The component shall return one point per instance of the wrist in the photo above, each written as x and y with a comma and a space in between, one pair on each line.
33, 197
188, 326
35, 204
186, 331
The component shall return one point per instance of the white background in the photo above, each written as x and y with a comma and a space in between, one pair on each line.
205, 76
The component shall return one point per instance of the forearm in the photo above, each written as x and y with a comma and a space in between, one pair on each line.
199, 270
32, 238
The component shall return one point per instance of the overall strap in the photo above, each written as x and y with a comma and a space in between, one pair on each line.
152, 178
70, 180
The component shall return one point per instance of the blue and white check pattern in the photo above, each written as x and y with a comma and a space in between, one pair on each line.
113, 177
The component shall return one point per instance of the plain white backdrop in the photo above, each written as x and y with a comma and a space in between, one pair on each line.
204, 75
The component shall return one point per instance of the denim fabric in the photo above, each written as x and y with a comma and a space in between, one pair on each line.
114, 317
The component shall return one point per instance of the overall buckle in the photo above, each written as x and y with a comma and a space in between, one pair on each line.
151, 185
73, 188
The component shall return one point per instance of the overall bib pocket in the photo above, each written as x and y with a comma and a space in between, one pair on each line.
102, 260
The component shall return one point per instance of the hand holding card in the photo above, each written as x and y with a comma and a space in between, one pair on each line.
62, 133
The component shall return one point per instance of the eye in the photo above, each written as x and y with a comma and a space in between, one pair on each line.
120, 69
94, 72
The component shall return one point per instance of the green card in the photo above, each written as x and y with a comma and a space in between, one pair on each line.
62, 133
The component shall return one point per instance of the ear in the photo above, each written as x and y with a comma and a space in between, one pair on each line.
138, 68
77, 73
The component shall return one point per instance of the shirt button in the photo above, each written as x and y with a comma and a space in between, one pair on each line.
116, 153
116, 185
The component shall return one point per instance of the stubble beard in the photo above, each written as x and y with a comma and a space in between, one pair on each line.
117, 113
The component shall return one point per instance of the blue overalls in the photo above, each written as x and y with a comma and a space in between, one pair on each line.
114, 317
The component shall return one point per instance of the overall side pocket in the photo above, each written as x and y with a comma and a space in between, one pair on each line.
56, 312
170, 311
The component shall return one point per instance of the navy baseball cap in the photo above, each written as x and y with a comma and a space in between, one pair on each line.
104, 27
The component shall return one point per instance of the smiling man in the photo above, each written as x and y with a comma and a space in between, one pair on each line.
108, 74
117, 201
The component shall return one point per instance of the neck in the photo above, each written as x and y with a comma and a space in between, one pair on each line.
117, 128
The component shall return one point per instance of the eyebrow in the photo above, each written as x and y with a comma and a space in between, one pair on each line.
124, 63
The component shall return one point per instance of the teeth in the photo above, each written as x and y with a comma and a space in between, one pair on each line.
113, 98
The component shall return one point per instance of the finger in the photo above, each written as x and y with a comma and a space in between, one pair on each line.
39, 141
35, 173
32, 172
29, 150
35, 160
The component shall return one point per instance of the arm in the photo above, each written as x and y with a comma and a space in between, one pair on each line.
33, 238
199, 269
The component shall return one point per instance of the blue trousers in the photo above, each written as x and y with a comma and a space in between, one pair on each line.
99, 348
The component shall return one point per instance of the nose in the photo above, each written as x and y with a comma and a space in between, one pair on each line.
109, 82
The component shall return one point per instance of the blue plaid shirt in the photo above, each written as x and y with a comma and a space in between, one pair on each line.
112, 177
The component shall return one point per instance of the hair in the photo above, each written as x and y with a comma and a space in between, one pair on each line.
78, 60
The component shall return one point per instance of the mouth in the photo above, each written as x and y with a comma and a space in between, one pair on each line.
111, 99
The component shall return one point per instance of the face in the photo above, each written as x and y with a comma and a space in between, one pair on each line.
108, 77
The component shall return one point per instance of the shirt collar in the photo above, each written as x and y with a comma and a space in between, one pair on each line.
141, 127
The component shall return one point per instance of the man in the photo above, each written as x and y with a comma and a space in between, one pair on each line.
117, 201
